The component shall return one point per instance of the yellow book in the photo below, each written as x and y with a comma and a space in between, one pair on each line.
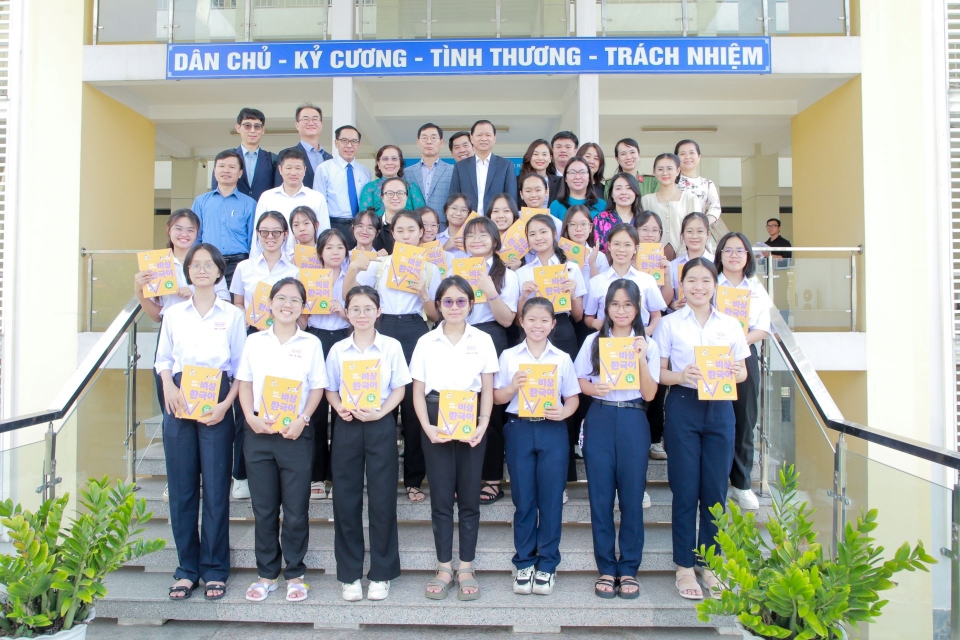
305, 256
550, 281
735, 302
160, 262
280, 402
574, 252
199, 391
406, 266
457, 416
619, 366
259, 311
716, 373
372, 255
360, 384
435, 255
540, 391
473, 214
319, 286
528, 212
649, 258
471, 270
514, 242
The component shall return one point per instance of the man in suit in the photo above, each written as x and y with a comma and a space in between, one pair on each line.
258, 164
308, 120
485, 175
431, 174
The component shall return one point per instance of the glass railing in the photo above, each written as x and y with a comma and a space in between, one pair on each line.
464, 19
108, 285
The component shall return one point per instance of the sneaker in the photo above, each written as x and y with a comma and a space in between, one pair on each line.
523, 583
166, 493
565, 496
745, 498
318, 490
378, 590
657, 452
646, 500
241, 490
543, 583
352, 591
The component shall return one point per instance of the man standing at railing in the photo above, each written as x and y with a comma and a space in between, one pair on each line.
777, 240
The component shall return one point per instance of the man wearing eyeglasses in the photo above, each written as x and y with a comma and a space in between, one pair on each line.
308, 120
341, 180
777, 240
431, 174
259, 165
485, 175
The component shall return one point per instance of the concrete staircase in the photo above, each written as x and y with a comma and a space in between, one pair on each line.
138, 593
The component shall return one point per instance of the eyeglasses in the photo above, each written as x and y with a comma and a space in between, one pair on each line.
583, 172
431, 225
369, 228
206, 267
178, 229
617, 306
282, 300
459, 302
772, 225
580, 225
273, 233
352, 142
252, 126
734, 252
477, 236
360, 312
312, 120
433, 138
394, 194
616, 246
457, 210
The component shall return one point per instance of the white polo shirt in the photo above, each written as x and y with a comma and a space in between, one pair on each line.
252, 271
331, 321
678, 333
759, 303
443, 237
584, 367
438, 364
676, 266
276, 199
512, 359
509, 293
652, 300
299, 358
189, 339
393, 301
393, 366
525, 273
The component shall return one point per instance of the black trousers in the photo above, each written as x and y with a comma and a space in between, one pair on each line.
453, 468
407, 329
346, 226
371, 445
279, 473
655, 414
745, 409
564, 337
232, 261
493, 459
240, 430
320, 419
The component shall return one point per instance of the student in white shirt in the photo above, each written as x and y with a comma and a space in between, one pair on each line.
404, 319
536, 195
503, 212
204, 331
701, 432
393, 192
279, 453
456, 210
537, 448
366, 440
454, 356
431, 224
736, 266
578, 227
366, 232
305, 228
694, 231
616, 438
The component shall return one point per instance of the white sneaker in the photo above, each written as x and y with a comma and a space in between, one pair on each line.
523, 583
352, 591
745, 498
378, 590
646, 500
241, 490
657, 452
543, 583
166, 493
565, 496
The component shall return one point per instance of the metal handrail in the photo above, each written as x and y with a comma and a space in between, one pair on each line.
84, 252
857, 249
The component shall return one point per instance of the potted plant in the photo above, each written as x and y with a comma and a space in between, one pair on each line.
52, 580
785, 587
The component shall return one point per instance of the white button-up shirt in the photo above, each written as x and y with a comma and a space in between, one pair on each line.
276, 199
331, 321
171, 299
509, 293
438, 364
330, 179
759, 303
525, 273
482, 167
512, 359
676, 266
652, 300
299, 358
678, 334
584, 367
392, 301
189, 339
443, 237
252, 271
393, 366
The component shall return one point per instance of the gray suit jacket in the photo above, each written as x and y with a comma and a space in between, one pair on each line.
439, 186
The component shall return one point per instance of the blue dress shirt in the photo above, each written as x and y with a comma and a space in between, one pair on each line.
226, 222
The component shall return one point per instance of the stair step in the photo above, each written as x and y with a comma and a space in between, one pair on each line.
138, 595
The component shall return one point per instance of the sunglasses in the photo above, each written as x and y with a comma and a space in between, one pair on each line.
460, 302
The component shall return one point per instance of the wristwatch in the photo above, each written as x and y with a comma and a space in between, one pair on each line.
305, 418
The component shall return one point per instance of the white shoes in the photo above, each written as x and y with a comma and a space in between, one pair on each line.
241, 490
565, 497
352, 591
657, 452
543, 583
166, 493
523, 583
378, 590
646, 500
745, 498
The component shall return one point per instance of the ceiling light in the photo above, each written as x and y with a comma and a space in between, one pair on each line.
679, 129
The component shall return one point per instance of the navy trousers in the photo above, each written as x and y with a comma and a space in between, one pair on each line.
537, 453
320, 419
195, 454
699, 436
616, 446
745, 409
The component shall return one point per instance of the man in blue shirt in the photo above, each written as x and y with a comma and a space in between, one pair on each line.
226, 215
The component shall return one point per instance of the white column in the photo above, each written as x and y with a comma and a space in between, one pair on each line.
760, 186
342, 27
587, 18
588, 97
341, 20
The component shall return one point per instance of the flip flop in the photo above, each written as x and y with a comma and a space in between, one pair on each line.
606, 582
214, 586
630, 582
415, 495
186, 591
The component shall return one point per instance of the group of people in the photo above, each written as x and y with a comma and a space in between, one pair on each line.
440, 333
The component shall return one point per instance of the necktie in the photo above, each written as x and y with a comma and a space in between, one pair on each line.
352, 191
248, 158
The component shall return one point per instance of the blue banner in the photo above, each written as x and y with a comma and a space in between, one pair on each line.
468, 57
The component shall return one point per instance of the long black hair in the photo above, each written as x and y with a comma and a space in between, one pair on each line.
547, 221
636, 208
750, 268
324, 240
563, 195
175, 216
633, 292
498, 270
568, 220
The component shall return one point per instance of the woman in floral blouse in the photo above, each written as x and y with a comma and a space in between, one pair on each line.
690, 180
623, 205
389, 165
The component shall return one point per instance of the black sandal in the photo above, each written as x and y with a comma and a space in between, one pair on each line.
186, 591
490, 498
214, 586
629, 582
606, 582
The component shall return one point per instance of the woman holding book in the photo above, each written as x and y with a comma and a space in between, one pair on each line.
282, 378
700, 433
503, 211
365, 446
694, 231
454, 359
395, 199
203, 331
456, 211
616, 437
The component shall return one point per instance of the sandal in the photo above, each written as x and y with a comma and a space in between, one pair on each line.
185, 590
605, 582
318, 490
261, 590
469, 583
689, 579
214, 586
713, 584
489, 498
629, 582
437, 581
294, 589
415, 495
